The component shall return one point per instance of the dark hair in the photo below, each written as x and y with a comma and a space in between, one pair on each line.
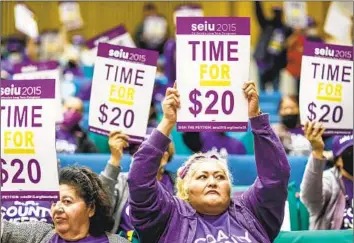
347, 153
90, 189
294, 98
149, 7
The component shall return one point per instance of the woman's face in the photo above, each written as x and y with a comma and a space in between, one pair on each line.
209, 189
288, 107
70, 215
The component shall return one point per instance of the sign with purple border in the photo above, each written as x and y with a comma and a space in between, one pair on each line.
122, 86
42, 70
115, 36
29, 172
213, 59
326, 86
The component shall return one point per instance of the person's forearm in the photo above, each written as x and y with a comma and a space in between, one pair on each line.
165, 127
271, 159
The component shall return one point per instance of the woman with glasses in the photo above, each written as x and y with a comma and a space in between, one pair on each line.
82, 214
203, 210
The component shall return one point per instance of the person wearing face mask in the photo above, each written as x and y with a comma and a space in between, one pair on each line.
270, 53
116, 182
289, 129
70, 137
328, 194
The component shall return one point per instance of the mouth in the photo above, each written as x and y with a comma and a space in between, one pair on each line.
212, 192
59, 219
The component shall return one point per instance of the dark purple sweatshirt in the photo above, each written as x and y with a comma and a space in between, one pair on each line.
159, 217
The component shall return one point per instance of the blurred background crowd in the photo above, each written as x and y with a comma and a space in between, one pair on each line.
276, 53
275, 60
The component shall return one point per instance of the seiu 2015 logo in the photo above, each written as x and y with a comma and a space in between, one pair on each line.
203, 27
327, 52
12, 90
118, 53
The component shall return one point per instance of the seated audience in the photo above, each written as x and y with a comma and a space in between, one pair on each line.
70, 137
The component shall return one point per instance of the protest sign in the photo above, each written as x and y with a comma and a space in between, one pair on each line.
213, 58
295, 14
326, 86
115, 36
43, 70
29, 172
339, 24
70, 15
25, 20
121, 93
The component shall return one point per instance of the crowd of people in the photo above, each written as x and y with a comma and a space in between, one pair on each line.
151, 204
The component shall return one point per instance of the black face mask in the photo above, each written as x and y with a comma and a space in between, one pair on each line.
290, 121
347, 158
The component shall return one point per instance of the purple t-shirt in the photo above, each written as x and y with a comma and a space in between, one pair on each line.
348, 211
220, 229
125, 223
65, 142
90, 239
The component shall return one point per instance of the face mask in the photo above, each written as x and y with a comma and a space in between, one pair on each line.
15, 57
290, 121
348, 162
71, 119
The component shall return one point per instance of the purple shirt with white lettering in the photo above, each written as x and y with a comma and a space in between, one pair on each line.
65, 142
348, 211
220, 229
90, 239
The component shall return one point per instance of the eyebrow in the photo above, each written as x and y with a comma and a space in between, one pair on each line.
69, 197
212, 172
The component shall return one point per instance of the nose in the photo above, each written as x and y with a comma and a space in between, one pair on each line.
57, 207
212, 181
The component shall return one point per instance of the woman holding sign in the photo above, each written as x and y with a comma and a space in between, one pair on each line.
81, 215
328, 194
203, 210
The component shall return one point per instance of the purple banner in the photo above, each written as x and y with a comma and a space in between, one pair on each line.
212, 126
213, 26
35, 66
128, 54
132, 139
108, 35
27, 210
28, 89
318, 49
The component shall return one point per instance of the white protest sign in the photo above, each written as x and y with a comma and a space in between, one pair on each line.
25, 20
296, 14
338, 24
122, 86
115, 36
70, 15
326, 87
43, 70
213, 59
29, 172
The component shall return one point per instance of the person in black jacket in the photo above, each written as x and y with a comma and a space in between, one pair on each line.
70, 137
270, 53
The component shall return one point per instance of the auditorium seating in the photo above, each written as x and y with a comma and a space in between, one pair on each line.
243, 168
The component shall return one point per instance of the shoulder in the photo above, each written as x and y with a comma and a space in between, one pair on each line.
28, 230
